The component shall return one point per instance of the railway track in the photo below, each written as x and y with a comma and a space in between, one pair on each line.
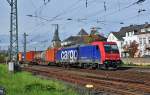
102, 82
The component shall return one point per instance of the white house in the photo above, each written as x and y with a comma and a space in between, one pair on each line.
116, 37
144, 43
130, 37
126, 35
140, 34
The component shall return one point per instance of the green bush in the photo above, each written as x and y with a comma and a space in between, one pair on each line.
3, 57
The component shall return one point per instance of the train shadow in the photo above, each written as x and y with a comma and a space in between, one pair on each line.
124, 68
118, 69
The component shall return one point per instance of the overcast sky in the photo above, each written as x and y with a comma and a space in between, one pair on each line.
107, 16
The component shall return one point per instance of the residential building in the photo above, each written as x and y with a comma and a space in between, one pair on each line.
82, 38
116, 37
126, 35
144, 44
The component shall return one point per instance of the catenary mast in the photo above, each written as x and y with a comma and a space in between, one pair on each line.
13, 31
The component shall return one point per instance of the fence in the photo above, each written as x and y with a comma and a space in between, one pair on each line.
136, 61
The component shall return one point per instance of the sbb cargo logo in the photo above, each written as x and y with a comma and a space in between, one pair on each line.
69, 54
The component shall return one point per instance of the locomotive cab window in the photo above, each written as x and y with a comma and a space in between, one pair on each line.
111, 48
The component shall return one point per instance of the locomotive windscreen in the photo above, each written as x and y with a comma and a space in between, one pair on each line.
111, 48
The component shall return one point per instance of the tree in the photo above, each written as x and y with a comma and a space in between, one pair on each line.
131, 49
3, 57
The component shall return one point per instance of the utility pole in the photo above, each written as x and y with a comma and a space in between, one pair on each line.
25, 45
13, 31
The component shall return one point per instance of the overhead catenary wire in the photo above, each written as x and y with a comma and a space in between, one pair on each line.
134, 3
67, 11
105, 6
71, 7
114, 12
64, 13
95, 18
46, 2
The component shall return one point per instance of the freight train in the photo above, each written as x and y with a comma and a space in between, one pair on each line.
95, 55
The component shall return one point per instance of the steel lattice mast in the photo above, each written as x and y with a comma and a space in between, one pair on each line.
13, 31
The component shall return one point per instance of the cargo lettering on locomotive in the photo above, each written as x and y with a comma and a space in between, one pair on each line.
69, 54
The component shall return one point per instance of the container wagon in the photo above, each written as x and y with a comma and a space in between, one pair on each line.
95, 55
50, 56
30, 57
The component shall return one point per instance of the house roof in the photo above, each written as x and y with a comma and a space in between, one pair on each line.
131, 28
73, 38
84, 39
82, 32
135, 28
118, 35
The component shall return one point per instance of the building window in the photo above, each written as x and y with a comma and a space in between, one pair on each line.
148, 29
121, 44
142, 30
140, 39
144, 41
133, 33
126, 34
130, 42
130, 33
126, 42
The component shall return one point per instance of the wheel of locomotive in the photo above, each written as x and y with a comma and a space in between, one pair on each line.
66, 64
83, 65
106, 66
99, 66
94, 65
115, 66
63, 64
59, 64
